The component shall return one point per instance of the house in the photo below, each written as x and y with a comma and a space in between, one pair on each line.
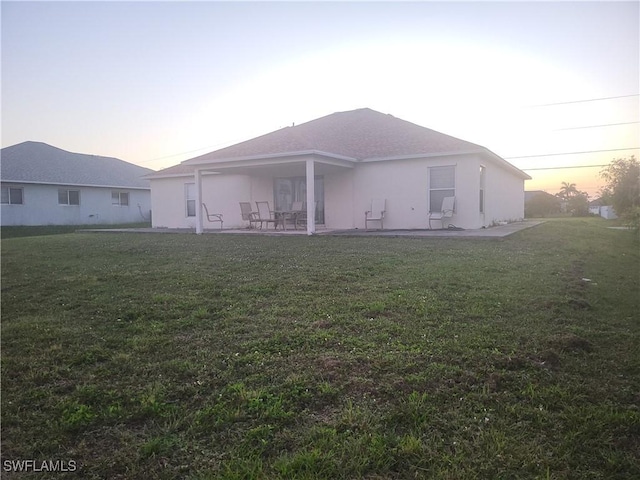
597, 207
594, 206
538, 203
44, 185
351, 157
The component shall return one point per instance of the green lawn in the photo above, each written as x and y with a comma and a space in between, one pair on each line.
32, 231
222, 356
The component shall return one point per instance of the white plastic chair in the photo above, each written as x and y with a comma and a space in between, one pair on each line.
376, 213
446, 211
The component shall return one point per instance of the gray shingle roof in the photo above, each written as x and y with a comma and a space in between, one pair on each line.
358, 134
36, 162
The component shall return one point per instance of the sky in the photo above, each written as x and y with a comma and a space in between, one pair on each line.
155, 83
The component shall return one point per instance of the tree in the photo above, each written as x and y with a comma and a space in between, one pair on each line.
623, 185
567, 191
578, 205
577, 202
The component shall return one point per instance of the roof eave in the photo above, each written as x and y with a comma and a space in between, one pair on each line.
420, 155
67, 184
506, 164
269, 156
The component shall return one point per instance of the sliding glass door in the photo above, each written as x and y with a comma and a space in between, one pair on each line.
294, 189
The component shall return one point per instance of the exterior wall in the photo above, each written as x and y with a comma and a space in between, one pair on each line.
261, 191
504, 197
338, 199
405, 186
348, 193
221, 194
40, 206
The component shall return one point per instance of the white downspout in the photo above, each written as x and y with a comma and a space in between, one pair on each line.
311, 198
198, 179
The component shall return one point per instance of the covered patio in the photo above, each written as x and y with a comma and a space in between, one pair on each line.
296, 177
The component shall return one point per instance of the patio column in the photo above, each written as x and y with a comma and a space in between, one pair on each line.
311, 198
198, 178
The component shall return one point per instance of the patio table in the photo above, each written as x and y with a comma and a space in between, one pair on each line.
282, 216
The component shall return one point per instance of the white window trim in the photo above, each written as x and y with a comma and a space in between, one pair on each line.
429, 189
187, 199
119, 202
68, 204
9, 195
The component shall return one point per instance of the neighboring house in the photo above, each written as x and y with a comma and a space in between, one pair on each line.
44, 185
352, 157
538, 203
596, 207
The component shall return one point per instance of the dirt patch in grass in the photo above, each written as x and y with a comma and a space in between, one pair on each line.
569, 342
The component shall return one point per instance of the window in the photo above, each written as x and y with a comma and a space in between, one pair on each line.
120, 198
190, 198
442, 182
12, 196
68, 197
294, 189
482, 182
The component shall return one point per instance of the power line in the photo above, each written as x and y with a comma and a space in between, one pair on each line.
585, 100
572, 153
595, 126
562, 168
190, 151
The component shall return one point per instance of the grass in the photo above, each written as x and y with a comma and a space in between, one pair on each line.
31, 231
220, 356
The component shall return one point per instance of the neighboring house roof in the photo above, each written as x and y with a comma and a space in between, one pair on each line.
529, 195
358, 135
36, 162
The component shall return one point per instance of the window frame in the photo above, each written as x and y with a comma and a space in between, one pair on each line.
189, 213
449, 190
9, 196
67, 194
117, 196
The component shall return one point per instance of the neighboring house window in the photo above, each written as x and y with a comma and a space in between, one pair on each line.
441, 184
482, 183
68, 197
190, 197
120, 198
12, 196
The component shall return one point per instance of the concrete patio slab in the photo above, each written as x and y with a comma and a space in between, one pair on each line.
500, 231
492, 232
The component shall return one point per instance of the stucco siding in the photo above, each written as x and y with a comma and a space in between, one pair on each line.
221, 194
405, 186
348, 193
40, 206
504, 196
401, 183
338, 199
